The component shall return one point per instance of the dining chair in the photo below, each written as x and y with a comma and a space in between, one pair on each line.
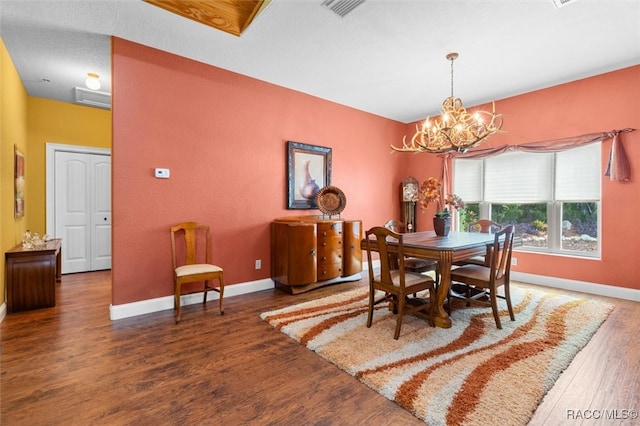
396, 283
192, 262
414, 264
482, 281
488, 227
484, 225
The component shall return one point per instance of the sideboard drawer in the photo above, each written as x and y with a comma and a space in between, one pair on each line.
329, 257
329, 230
328, 244
330, 271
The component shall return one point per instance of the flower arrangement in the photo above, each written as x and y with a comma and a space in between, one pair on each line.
431, 192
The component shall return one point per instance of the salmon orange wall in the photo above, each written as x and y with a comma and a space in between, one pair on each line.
223, 136
602, 103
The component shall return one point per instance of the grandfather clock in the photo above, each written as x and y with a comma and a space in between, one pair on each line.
409, 196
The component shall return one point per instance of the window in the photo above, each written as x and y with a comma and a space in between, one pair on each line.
552, 199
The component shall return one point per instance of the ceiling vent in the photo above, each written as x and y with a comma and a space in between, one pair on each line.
560, 3
342, 7
93, 98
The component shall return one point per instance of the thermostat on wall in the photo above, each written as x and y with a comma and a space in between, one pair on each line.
162, 173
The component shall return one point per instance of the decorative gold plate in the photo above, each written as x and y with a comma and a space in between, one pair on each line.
331, 200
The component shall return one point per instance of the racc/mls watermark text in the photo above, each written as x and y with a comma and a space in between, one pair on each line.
603, 414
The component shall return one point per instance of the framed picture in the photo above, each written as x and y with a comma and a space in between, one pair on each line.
308, 170
19, 182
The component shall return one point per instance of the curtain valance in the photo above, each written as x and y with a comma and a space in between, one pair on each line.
617, 169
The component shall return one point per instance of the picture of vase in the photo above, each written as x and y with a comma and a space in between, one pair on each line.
308, 171
309, 187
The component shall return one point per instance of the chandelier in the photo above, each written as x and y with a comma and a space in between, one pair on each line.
456, 130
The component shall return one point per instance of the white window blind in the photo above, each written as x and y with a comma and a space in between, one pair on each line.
468, 180
524, 177
519, 177
578, 173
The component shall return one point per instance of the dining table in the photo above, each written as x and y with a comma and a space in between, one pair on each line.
446, 250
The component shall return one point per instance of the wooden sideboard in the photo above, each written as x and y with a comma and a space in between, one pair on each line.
31, 276
308, 252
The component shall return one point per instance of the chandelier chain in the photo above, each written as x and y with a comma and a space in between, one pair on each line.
452, 59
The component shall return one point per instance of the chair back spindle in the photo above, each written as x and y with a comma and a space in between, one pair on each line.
501, 260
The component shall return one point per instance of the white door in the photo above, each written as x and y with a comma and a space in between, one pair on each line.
82, 210
101, 211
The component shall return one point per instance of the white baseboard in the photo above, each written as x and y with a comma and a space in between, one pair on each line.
562, 283
142, 307
579, 286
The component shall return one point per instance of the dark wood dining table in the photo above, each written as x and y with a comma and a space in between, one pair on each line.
446, 250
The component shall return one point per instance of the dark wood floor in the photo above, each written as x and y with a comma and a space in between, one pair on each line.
71, 365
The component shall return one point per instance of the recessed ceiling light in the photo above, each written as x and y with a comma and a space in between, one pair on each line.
93, 81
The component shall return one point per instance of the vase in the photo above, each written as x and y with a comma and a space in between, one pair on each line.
442, 226
309, 187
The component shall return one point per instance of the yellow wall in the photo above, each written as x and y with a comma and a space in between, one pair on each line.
13, 131
61, 123
30, 123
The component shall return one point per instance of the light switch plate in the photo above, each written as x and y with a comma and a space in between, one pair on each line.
163, 173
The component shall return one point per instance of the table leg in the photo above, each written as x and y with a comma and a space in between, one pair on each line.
441, 318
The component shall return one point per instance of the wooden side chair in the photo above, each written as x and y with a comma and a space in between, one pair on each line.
484, 225
192, 262
397, 284
488, 227
414, 264
484, 281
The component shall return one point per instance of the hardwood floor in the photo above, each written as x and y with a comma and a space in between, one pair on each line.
72, 365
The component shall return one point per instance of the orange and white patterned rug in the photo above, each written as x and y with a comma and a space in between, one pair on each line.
461, 375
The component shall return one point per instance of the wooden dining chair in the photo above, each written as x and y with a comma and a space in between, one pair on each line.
482, 281
192, 262
414, 264
396, 283
483, 225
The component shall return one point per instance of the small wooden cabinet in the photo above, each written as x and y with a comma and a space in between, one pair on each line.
310, 251
31, 276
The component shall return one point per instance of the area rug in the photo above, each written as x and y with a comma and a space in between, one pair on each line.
466, 374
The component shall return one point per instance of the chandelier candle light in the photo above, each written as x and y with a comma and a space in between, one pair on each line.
457, 130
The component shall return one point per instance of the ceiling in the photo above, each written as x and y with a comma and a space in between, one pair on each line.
386, 57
